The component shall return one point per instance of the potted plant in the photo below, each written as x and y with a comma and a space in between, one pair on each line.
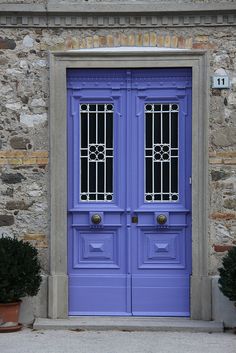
19, 277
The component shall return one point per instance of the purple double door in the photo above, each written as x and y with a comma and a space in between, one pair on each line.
129, 191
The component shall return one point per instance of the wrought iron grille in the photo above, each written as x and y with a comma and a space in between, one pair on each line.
161, 153
96, 152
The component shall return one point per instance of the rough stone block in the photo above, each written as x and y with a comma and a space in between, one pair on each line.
12, 178
219, 174
7, 43
19, 142
222, 248
18, 205
230, 203
6, 220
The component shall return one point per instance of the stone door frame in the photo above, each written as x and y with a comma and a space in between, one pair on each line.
128, 58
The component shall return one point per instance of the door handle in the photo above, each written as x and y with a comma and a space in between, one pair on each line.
161, 219
96, 218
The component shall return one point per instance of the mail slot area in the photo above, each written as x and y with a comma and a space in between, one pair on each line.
162, 219
97, 219
100, 219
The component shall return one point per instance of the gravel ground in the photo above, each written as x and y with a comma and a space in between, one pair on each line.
52, 341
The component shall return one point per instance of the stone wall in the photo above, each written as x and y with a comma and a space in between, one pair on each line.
24, 94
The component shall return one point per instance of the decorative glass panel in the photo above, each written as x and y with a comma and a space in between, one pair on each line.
96, 152
161, 152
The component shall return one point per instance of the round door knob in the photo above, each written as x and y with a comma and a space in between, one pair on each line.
161, 219
96, 218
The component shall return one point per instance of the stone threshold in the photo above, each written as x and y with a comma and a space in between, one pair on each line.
104, 323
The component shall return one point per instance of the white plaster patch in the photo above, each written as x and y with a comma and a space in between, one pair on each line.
13, 72
24, 65
13, 106
220, 58
4, 89
28, 42
233, 84
41, 63
34, 190
222, 232
34, 119
38, 103
232, 99
221, 72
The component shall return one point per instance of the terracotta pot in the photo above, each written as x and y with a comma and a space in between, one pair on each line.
9, 313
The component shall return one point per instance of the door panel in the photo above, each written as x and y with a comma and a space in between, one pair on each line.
129, 164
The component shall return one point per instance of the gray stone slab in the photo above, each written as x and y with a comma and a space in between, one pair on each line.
96, 323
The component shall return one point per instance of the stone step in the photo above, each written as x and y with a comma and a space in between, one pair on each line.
102, 323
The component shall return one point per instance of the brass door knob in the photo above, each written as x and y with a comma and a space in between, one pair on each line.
96, 218
161, 219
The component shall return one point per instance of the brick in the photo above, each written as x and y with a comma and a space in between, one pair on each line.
89, 42
41, 244
11, 153
42, 154
204, 46
102, 41
227, 216
131, 39
215, 161
82, 43
160, 41
202, 38
117, 40
96, 41
222, 248
139, 40
174, 42
227, 154
29, 161
15, 161
34, 236
167, 42
230, 161
69, 43
110, 41
181, 42
42, 161
123, 39
75, 43
146, 40
152, 39
188, 43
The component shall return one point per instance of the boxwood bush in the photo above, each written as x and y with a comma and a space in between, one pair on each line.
19, 270
227, 280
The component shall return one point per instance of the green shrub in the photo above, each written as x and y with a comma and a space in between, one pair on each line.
19, 270
227, 280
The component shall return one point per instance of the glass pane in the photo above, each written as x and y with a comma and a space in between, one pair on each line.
96, 152
161, 152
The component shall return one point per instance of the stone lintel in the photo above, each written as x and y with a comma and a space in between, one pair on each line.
115, 8
113, 15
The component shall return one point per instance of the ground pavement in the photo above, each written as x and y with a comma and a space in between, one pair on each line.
68, 341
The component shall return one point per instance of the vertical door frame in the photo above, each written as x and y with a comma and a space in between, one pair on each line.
122, 58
